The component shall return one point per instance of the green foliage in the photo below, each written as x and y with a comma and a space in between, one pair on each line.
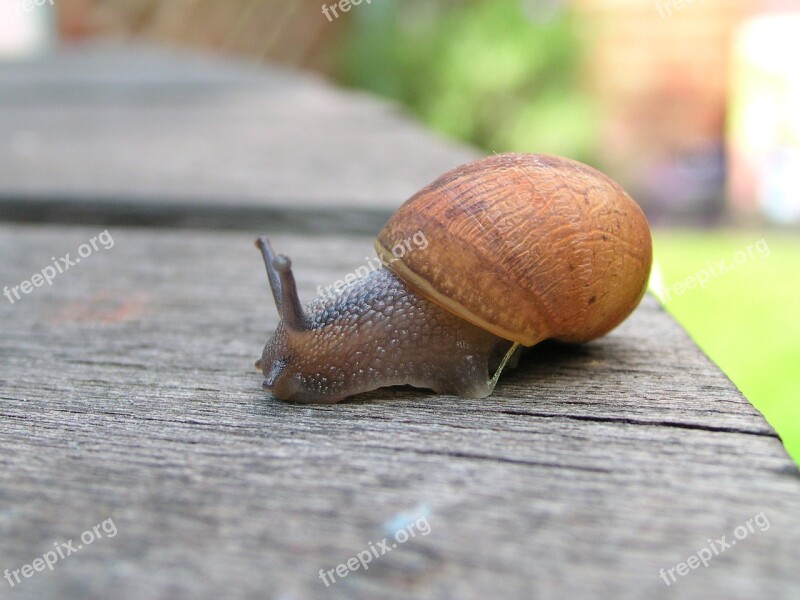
501, 74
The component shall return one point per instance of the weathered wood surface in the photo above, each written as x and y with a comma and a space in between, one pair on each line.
128, 393
154, 134
127, 390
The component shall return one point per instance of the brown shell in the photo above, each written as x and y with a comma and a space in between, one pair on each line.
527, 246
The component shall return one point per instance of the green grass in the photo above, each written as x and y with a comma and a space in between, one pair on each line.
747, 319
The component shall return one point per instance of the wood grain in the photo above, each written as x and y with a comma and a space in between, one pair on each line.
128, 393
143, 133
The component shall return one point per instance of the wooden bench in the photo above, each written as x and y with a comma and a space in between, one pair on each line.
130, 402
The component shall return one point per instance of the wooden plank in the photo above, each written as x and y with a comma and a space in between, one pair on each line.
128, 393
140, 134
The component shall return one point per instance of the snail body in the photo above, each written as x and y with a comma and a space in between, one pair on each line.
519, 248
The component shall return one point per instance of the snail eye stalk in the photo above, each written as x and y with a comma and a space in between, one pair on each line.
284, 288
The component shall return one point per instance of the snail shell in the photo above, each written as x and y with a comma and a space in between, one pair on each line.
526, 246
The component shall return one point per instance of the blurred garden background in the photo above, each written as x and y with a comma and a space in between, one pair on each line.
691, 104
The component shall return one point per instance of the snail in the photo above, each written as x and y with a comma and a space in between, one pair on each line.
519, 248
